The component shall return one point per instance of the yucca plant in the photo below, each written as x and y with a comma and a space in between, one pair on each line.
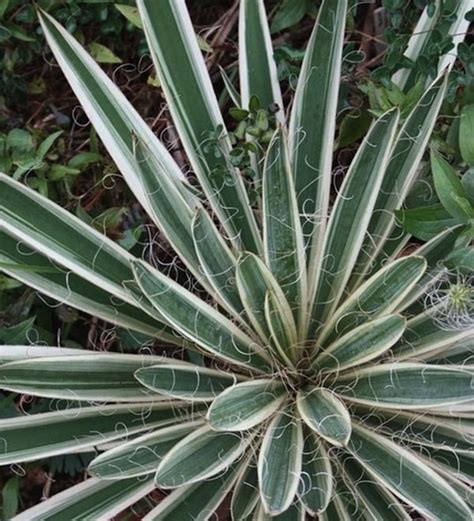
324, 387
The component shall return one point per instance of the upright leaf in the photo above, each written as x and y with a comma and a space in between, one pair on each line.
279, 463
254, 281
258, 72
195, 110
112, 115
217, 261
312, 124
401, 173
282, 234
351, 213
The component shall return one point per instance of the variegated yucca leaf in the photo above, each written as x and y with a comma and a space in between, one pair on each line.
323, 385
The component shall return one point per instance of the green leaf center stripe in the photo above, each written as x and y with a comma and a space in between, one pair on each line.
312, 125
283, 237
279, 463
362, 345
380, 294
141, 455
200, 455
48, 434
400, 175
84, 377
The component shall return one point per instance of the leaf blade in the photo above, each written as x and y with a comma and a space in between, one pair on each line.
279, 464
185, 381
325, 414
195, 111
245, 405
420, 487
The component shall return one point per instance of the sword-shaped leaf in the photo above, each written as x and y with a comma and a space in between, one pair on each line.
351, 213
362, 344
258, 72
455, 434
425, 336
13, 353
316, 484
400, 175
196, 320
29, 438
64, 238
109, 111
246, 405
312, 124
197, 501
254, 280
185, 381
92, 499
279, 463
217, 261
282, 234
142, 455
407, 386
96, 377
245, 496
375, 499
282, 328
325, 414
407, 476
381, 294
200, 455
39, 272
193, 105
